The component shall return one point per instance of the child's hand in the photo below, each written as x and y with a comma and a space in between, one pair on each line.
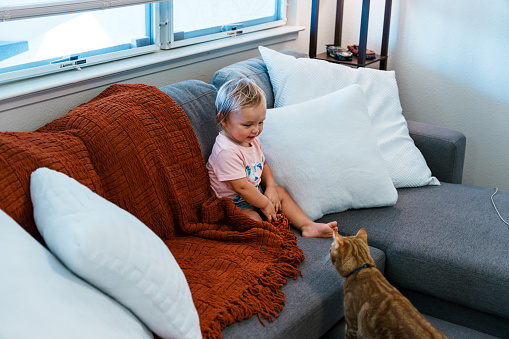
271, 194
269, 211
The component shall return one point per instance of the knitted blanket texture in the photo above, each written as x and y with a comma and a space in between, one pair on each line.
134, 146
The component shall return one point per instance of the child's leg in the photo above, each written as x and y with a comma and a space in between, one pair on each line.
300, 220
252, 213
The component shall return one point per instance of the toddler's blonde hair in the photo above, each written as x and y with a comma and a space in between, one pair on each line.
237, 94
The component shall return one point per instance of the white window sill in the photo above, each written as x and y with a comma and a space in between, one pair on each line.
25, 92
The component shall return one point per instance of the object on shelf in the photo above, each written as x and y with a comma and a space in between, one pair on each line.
355, 49
339, 53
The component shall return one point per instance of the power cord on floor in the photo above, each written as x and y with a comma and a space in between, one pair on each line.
496, 209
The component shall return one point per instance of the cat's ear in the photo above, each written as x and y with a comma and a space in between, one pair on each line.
362, 234
338, 238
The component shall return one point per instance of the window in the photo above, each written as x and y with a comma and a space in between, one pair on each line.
187, 22
42, 44
38, 37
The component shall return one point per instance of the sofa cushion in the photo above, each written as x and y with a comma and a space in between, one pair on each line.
197, 99
41, 298
314, 302
446, 241
337, 165
253, 69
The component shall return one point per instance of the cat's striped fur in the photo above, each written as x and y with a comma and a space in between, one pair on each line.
373, 307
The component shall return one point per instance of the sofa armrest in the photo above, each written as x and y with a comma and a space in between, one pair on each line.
443, 148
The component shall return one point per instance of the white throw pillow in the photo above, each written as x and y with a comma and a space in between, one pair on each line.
114, 251
324, 153
298, 80
40, 298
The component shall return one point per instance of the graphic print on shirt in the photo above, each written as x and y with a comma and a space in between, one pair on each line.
254, 172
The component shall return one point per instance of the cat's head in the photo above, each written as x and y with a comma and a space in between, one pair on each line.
349, 253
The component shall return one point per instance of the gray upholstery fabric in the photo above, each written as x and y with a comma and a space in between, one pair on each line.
253, 69
443, 149
314, 301
457, 314
451, 331
197, 99
445, 241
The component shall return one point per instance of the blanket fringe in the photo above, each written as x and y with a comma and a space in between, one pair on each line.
265, 300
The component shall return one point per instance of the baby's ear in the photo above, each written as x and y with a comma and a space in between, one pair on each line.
220, 119
362, 234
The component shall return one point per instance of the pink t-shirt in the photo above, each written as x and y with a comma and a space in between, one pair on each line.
230, 161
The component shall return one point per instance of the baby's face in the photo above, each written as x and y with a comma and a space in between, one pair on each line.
243, 126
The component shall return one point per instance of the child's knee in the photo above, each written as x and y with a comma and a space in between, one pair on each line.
282, 192
253, 214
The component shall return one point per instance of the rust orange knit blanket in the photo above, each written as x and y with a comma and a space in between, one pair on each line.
135, 146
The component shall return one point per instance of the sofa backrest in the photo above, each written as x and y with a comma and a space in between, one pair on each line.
253, 69
197, 99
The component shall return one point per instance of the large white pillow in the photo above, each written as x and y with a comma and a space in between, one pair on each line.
40, 298
114, 251
298, 80
324, 153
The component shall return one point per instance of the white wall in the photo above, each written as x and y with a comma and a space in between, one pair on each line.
449, 57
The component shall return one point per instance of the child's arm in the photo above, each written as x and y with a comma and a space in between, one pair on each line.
252, 195
270, 187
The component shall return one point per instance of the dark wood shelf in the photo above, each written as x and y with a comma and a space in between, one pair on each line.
361, 61
354, 62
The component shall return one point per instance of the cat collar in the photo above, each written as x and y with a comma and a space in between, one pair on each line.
358, 269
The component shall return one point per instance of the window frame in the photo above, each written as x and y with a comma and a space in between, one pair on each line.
165, 12
55, 7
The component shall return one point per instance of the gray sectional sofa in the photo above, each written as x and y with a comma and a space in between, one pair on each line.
443, 246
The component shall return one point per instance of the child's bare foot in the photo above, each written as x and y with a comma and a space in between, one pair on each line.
318, 230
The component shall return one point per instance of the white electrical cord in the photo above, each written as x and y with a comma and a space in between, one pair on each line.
496, 209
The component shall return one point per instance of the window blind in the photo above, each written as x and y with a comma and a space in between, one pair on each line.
25, 9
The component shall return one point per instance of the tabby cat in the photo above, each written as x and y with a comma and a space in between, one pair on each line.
373, 307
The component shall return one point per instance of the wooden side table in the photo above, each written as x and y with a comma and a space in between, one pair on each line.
359, 60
